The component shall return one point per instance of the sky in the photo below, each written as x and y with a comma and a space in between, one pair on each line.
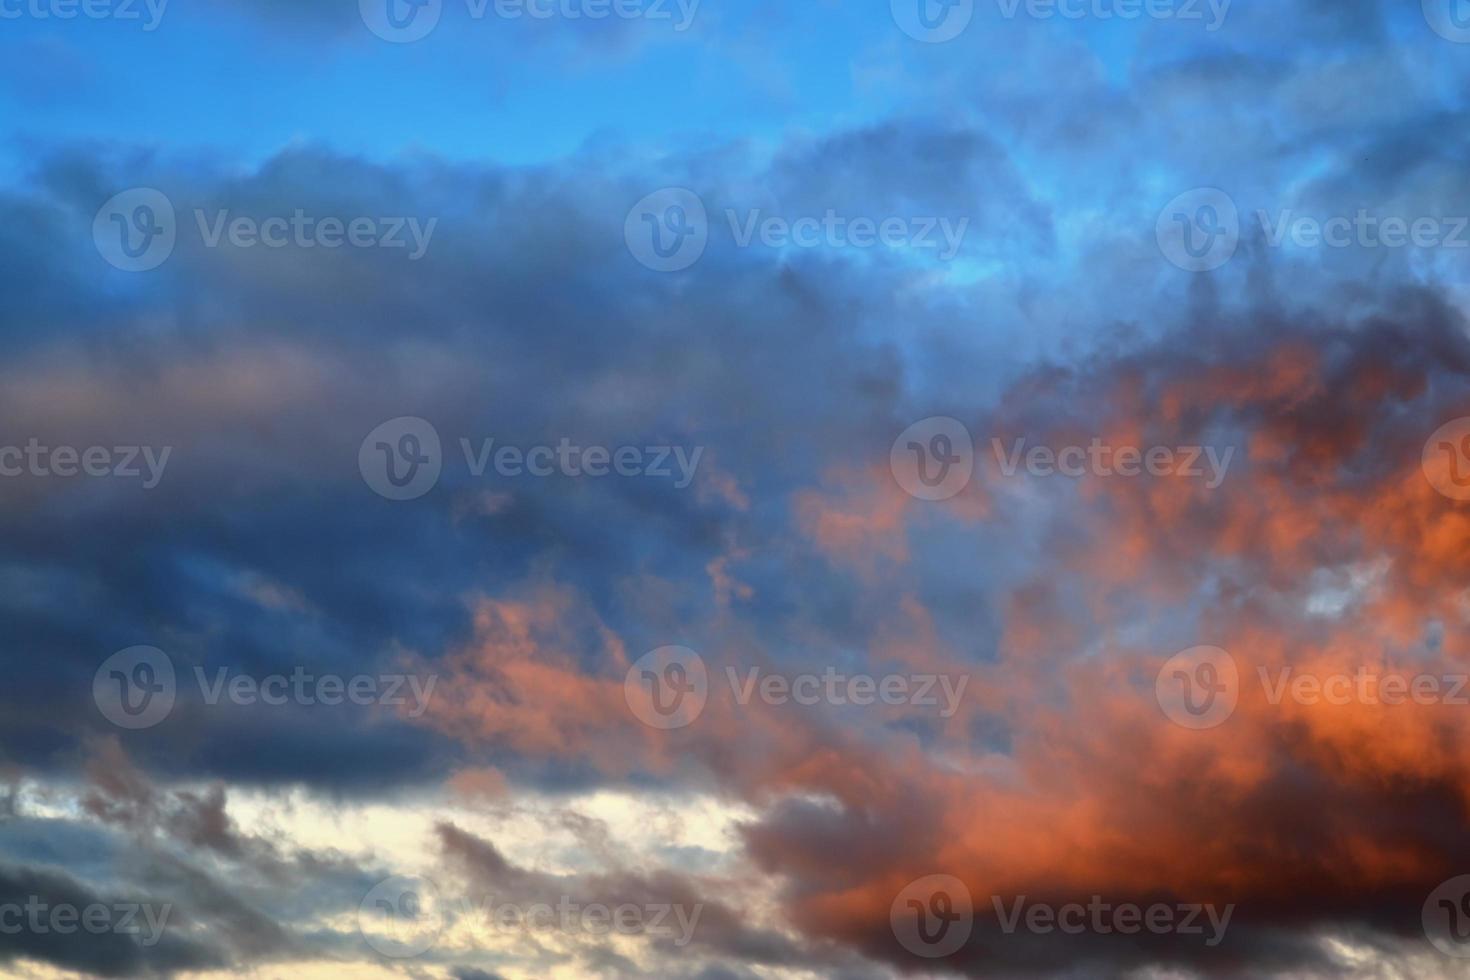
734, 490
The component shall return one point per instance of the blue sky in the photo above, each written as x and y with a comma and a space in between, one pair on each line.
247, 80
